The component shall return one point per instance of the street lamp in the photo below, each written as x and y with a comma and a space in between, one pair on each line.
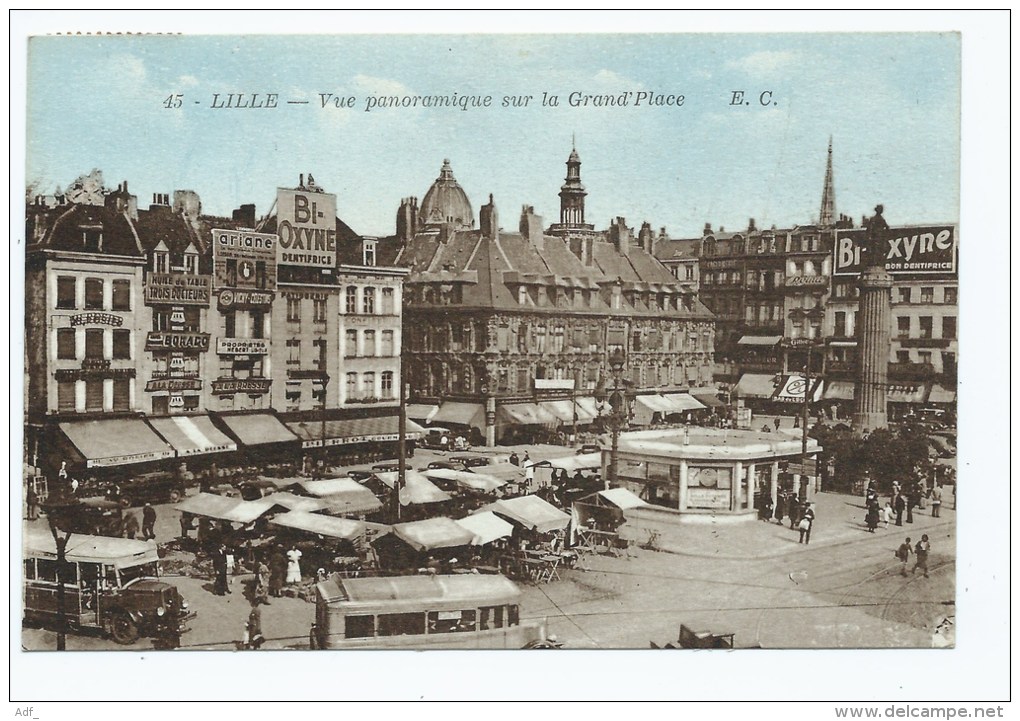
59, 506
618, 417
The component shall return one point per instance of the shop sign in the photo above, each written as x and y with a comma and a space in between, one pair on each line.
241, 385
251, 256
173, 385
242, 299
170, 340
807, 281
715, 498
351, 440
930, 250
176, 401
176, 361
242, 346
792, 389
97, 319
177, 288
92, 369
306, 225
131, 458
554, 384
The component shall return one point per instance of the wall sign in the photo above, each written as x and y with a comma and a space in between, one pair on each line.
177, 288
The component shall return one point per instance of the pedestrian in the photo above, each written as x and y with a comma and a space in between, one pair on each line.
780, 507
185, 525
911, 502
805, 524
74, 486
293, 565
921, 554
277, 572
148, 522
515, 459
526, 459
872, 516
954, 496
777, 423
219, 559
262, 583
887, 514
766, 506
899, 505
796, 421
903, 553
253, 638
62, 473
529, 475
936, 500
130, 525
793, 508
32, 501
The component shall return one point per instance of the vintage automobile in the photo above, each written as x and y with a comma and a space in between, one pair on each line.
155, 487
471, 461
109, 584
98, 517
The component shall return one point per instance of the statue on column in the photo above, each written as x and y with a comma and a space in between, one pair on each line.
875, 239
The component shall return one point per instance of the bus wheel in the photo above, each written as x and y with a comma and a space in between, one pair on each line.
175, 495
124, 630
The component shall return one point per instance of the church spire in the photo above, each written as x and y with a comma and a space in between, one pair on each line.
827, 215
572, 191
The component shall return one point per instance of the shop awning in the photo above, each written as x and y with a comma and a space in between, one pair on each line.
708, 397
222, 508
433, 533
343, 495
466, 479
839, 391
321, 525
256, 429
417, 489
486, 527
655, 403
760, 340
526, 414
583, 461
756, 385
589, 406
622, 498
906, 393
562, 410
115, 441
353, 430
423, 412
939, 394
294, 503
465, 414
192, 435
531, 512
684, 402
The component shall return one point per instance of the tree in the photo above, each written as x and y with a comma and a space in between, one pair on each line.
884, 456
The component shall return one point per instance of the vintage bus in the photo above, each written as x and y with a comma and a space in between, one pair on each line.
110, 584
459, 611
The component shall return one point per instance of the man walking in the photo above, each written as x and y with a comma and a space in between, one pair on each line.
936, 500
903, 553
148, 522
900, 505
777, 423
33, 502
806, 522
921, 552
130, 525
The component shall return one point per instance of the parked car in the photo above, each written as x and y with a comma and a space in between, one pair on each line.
98, 517
256, 489
589, 448
471, 461
450, 465
388, 466
359, 475
155, 487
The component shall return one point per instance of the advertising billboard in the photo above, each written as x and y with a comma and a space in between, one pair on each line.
791, 389
306, 225
162, 288
243, 259
915, 250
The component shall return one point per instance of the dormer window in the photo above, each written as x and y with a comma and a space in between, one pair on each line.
522, 295
191, 263
161, 262
368, 252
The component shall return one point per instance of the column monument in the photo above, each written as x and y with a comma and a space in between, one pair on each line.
873, 331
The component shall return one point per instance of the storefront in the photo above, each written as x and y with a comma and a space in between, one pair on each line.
356, 440
97, 444
706, 473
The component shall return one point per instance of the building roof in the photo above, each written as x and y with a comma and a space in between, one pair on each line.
446, 202
84, 229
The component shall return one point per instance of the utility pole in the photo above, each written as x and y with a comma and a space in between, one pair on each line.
401, 444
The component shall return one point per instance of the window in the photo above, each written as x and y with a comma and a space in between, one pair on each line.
949, 295
386, 389
903, 326
161, 405
320, 361
122, 295
161, 261
904, 295
352, 299
65, 344
924, 357
293, 310
557, 339
258, 324
319, 310
368, 384
902, 356
840, 324
191, 263
688, 272
540, 339
387, 301
949, 327
401, 624
359, 627
94, 343
352, 385
93, 294
191, 403
192, 319
122, 394
66, 292
93, 395
350, 343
293, 352
65, 396
926, 325
949, 363
230, 323
386, 348
368, 252
121, 344
927, 295
260, 274
231, 272
368, 300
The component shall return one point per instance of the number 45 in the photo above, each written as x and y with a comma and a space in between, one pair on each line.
173, 101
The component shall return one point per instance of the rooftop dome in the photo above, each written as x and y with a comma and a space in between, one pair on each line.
446, 201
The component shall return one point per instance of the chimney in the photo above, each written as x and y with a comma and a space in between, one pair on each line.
245, 215
708, 230
620, 236
646, 239
301, 181
188, 204
531, 227
750, 226
488, 220
407, 219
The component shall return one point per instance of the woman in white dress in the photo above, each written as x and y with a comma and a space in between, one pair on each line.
293, 566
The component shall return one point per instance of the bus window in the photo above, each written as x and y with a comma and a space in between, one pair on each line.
47, 571
89, 573
451, 621
29, 569
401, 624
359, 627
514, 616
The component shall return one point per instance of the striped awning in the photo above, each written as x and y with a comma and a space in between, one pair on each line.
760, 340
526, 414
353, 430
256, 429
756, 385
115, 441
684, 402
192, 435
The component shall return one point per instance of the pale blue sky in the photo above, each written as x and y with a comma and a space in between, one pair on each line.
891, 103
